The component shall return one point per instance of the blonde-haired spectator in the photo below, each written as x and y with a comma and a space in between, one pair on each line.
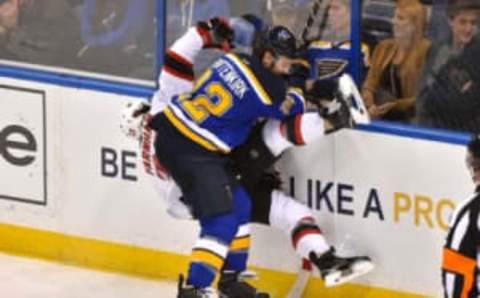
391, 83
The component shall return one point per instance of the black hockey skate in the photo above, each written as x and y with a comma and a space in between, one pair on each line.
185, 291
232, 285
337, 270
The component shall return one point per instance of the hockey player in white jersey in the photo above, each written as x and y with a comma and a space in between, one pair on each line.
270, 205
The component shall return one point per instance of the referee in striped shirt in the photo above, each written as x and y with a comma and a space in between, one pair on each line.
462, 247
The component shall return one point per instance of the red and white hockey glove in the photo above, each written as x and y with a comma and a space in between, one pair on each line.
216, 33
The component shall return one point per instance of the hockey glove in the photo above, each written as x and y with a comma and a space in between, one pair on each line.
322, 90
216, 33
298, 74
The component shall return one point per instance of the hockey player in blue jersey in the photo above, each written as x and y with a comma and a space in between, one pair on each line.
270, 206
196, 130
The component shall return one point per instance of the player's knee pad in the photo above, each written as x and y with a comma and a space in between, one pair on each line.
286, 212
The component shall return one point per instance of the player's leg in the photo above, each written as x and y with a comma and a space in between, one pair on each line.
167, 189
233, 277
216, 199
298, 221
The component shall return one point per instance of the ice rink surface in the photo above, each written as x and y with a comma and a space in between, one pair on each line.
31, 278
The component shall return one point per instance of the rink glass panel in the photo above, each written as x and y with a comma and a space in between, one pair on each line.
108, 37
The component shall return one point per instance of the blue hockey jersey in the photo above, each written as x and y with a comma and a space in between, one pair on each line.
227, 100
330, 60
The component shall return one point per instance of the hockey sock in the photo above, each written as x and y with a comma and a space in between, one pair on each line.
297, 221
217, 234
307, 237
238, 252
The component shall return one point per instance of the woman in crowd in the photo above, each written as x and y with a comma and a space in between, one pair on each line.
389, 90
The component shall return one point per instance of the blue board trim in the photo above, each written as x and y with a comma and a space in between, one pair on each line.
75, 81
431, 134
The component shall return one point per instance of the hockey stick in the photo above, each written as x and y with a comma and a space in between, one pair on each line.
311, 19
187, 16
301, 281
312, 15
303, 275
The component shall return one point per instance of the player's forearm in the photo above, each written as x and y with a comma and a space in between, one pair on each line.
189, 45
299, 130
180, 57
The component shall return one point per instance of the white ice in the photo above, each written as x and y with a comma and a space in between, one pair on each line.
22, 277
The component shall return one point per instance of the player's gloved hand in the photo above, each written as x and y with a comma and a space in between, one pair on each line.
321, 91
216, 33
132, 118
298, 74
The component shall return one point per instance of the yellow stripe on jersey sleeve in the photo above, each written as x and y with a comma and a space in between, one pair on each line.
261, 92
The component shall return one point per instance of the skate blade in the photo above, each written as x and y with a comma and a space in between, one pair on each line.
340, 277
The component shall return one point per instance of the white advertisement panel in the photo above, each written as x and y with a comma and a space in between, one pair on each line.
23, 156
386, 196
389, 197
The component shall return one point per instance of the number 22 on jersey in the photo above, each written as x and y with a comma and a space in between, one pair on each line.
213, 100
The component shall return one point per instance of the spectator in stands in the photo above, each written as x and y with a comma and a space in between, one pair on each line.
285, 14
448, 93
118, 36
41, 32
329, 53
389, 90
